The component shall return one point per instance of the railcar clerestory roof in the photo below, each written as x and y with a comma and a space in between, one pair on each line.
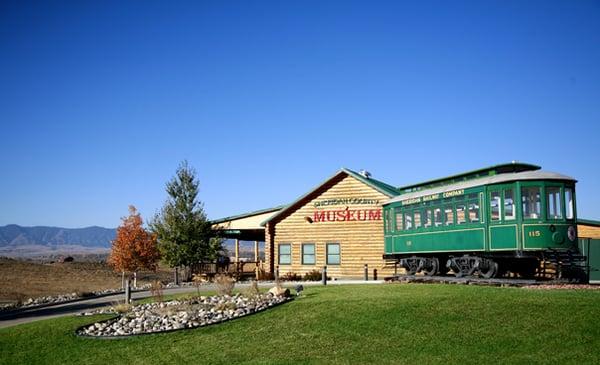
488, 180
470, 175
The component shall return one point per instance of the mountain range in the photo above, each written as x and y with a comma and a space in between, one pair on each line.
21, 241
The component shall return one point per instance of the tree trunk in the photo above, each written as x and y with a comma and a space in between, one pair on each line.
122, 279
135, 280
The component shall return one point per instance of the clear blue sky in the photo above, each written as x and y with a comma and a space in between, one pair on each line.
100, 101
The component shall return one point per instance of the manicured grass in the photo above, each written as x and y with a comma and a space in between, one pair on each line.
416, 324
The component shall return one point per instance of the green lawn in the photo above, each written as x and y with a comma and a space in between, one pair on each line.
403, 323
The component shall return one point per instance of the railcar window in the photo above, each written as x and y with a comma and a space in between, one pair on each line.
474, 212
408, 223
553, 203
531, 200
437, 214
427, 218
388, 220
509, 204
449, 216
417, 218
460, 214
399, 217
569, 203
285, 254
308, 254
495, 205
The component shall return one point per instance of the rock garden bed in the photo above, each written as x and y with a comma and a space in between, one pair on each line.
181, 314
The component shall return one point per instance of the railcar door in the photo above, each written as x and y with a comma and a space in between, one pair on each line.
502, 218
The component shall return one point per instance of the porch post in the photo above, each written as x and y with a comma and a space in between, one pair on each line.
256, 251
237, 250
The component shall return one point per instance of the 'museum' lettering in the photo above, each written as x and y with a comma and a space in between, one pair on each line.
347, 215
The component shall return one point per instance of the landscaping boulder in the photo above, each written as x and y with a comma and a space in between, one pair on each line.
279, 291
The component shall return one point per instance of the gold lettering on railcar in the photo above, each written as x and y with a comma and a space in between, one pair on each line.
449, 194
411, 201
427, 198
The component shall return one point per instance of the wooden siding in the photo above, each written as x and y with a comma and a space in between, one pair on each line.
361, 242
588, 231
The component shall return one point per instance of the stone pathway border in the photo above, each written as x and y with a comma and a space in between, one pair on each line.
79, 329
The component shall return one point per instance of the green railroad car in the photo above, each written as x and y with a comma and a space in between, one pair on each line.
506, 218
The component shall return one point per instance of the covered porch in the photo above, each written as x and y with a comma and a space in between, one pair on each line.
245, 228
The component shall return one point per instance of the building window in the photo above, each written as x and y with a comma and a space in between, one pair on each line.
333, 254
553, 202
285, 254
308, 254
509, 204
531, 202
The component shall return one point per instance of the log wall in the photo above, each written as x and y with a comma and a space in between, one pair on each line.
588, 231
360, 233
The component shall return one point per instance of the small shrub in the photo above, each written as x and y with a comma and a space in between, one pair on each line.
225, 284
314, 275
290, 276
156, 289
264, 275
252, 290
121, 308
198, 280
225, 306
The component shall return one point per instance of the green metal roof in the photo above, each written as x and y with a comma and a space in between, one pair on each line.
249, 214
380, 186
589, 222
486, 171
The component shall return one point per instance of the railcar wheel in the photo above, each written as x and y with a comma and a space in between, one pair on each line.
431, 266
463, 266
411, 265
488, 269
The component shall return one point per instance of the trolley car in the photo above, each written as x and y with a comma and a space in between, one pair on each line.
506, 218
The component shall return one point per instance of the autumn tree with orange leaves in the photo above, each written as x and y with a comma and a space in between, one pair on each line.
134, 248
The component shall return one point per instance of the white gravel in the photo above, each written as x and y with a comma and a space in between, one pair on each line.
179, 314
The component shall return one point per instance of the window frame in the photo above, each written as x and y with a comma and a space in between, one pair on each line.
542, 191
573, 210
314, 254
279, 254
513, 217
339, 254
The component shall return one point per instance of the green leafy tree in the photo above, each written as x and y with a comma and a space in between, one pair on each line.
181, 227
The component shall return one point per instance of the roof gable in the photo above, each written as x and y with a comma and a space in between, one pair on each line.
377, 185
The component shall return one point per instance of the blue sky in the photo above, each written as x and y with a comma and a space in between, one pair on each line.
100, 101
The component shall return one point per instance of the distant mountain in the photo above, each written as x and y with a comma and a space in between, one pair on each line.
30, 241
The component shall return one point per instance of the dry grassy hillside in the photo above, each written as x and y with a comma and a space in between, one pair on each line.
20, 280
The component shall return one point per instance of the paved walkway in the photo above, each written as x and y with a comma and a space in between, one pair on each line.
71, 308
